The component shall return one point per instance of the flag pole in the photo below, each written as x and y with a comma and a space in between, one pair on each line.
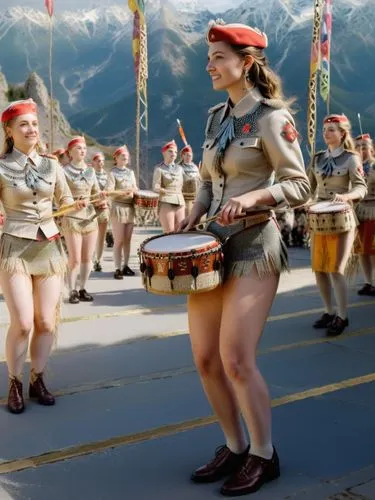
51, 142
138, 131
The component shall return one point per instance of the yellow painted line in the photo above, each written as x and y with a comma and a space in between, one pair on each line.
165, 431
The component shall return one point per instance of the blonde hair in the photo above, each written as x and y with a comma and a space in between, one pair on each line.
347, 141
8, 144
262, 76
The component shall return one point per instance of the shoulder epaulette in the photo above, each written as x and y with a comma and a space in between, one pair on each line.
216, 108
48, 155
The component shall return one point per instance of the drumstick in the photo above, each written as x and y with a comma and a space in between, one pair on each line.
182, 132
237, 218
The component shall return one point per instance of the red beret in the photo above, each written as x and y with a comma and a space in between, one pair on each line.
187, 149
18, 108
336, 119
364, 138
76, 140
120, 151
169, 145
237, 34
97, 156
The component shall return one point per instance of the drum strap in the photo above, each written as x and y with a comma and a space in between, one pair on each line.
250, 221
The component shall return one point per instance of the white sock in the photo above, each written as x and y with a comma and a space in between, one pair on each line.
84, 274
265, 451
237, 446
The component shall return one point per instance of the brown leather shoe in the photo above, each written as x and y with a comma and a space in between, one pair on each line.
255, 472
223, 464
337, 326
324, 321
38, 390
15, 397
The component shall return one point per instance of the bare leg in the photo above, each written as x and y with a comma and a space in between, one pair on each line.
366, 264
88, 248
324, 284
246, 305
167, 217
118, 236
18, 293
74, 245
100, 241
128, 231
204, 325
179, 217
341, 294
47, 293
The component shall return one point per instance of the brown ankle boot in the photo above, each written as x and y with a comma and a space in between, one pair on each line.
15, 396
38, 390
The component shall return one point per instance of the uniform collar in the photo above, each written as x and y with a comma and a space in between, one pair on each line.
20, 159
335, 153
244, 106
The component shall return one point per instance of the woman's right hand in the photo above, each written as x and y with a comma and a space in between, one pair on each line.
187, 224
80, 204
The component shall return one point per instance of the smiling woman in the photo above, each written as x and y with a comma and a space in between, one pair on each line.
32, 259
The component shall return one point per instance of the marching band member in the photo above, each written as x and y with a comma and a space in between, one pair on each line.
250, 138
365, 245
335, 174
122, 178
103, 213
32, 259
191, 178
168, 181
80, 229
62, 156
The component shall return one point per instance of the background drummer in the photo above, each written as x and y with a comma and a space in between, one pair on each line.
168, 182
122, 178
62, 156
103, 212
365, 245
191, 178
335, 174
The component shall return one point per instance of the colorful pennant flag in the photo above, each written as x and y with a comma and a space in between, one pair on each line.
49, 7
325, 50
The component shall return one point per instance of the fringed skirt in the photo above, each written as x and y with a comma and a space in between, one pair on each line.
123, 213
81, 226
333, 253
32, 257
103, 216
259, 246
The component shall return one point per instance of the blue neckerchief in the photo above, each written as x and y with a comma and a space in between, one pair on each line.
366, 167
328, 167
224, 137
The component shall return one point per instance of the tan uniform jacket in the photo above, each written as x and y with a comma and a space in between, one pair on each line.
265, 145
121, 179
83, 184
347, 175
191, 180
102, 178
370, 179
28, 186
171, 179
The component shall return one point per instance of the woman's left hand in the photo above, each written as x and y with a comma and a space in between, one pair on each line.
233, 208
103, 195
341, 198
81, 204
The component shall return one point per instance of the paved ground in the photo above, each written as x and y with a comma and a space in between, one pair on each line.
131, 420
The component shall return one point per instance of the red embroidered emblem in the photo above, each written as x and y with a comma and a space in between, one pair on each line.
246, 128
289, 133
360, 170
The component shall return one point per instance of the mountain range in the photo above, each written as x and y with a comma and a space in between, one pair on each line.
93, 66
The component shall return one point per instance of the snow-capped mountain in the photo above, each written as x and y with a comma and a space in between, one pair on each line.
93, 66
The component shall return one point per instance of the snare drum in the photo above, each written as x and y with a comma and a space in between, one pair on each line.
146, 199
328, 217
181, 263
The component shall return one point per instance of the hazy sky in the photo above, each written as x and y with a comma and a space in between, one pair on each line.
215, 5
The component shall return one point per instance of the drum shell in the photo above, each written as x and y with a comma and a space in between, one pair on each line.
142, 201
332, 222
207, 260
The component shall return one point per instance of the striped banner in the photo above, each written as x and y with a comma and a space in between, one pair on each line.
325, 50
49, 6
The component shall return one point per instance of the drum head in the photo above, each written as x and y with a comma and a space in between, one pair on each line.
177, 243
328, 206
147, 194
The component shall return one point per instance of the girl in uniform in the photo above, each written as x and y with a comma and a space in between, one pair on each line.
168, 181
250, 139
103, 213
122, 178
32, 260
80, 228
365, 244
191, 178
335, 174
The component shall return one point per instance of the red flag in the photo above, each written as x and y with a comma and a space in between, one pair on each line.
49, 6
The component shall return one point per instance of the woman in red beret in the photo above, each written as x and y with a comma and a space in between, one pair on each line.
97, 162
250, 140
122, 178
365, 244
80, 228
336, 175
32, 259
168, 180
191, 178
